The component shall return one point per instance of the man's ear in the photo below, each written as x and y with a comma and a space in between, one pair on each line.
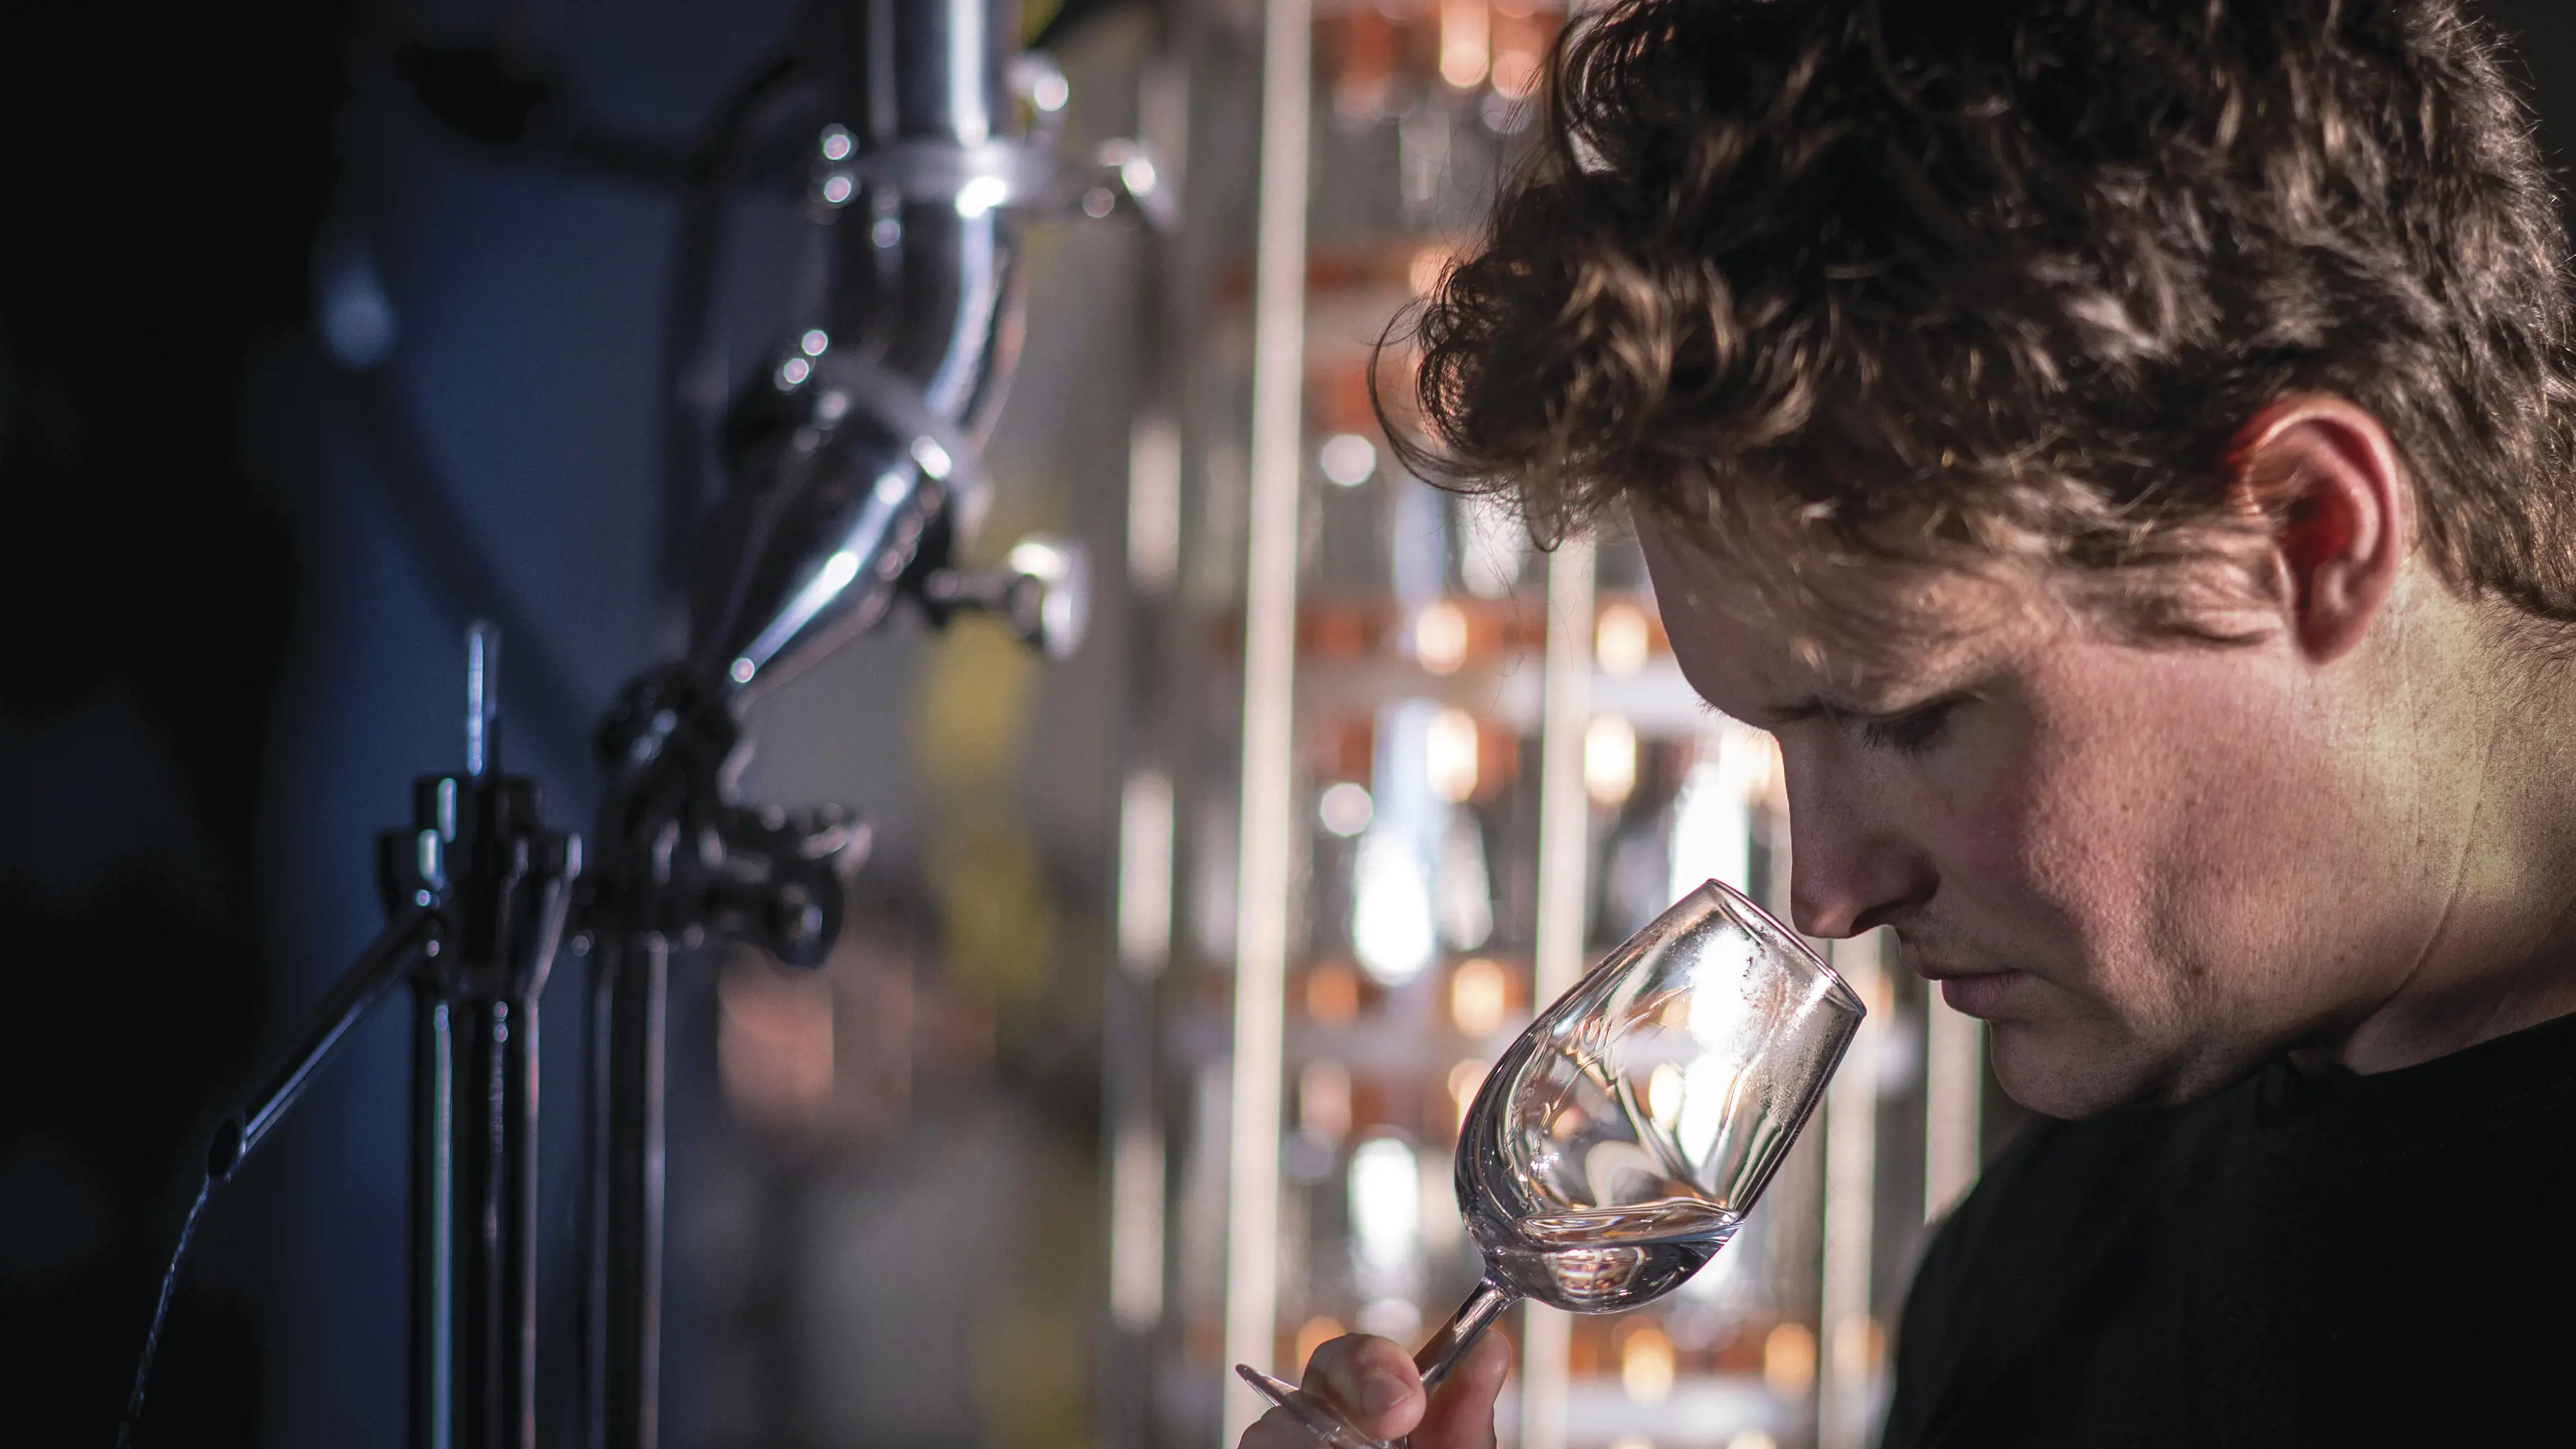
2325, 475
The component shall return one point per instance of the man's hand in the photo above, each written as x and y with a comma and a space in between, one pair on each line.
1372, 1382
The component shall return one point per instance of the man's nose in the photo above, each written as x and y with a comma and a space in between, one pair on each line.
1851, 869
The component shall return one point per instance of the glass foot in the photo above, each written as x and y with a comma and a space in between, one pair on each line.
1322, 1419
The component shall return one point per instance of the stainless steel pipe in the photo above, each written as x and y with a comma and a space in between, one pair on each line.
852, 458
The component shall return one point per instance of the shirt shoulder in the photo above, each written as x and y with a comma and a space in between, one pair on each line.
2048, 1221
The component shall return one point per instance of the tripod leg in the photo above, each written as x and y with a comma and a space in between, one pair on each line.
433, 1221
517, 1201
473, 1223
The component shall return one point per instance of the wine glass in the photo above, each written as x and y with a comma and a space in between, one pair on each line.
1620, 1141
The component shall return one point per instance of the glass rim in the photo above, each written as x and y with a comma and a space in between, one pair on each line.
1796, 940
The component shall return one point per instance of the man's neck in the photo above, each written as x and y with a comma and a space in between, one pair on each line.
2502, 954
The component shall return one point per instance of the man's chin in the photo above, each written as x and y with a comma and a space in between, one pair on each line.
2067, 1074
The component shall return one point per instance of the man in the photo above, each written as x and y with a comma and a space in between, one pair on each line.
2122, 449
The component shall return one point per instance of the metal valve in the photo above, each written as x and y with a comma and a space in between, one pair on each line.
1042, 591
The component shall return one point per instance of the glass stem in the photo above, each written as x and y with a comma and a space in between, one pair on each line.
1462, 1330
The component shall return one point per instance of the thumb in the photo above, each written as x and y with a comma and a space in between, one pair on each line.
1371, 1381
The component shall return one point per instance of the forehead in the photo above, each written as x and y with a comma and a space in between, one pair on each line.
1766, 643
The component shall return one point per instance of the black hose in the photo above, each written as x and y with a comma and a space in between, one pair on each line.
160, 1317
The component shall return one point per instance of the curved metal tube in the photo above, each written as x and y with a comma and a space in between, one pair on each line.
857, 444
852, 457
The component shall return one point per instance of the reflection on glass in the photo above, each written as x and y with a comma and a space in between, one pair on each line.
1619, 1142
1464, 1079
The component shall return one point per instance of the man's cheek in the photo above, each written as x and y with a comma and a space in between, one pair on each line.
1994, 839
2035, 889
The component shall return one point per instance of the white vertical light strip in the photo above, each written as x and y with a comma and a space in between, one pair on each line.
1136, 1229
1564, 810
1163, 117
1145, 873
1564, 850
1154, 503
1954, 1081
1269, 675
1844, 1387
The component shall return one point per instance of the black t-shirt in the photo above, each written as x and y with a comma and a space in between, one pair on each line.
2327, 1260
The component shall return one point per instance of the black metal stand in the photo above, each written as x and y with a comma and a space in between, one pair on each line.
853, 454
630, 992
680, 865
476, 894
478, 853
473, 1271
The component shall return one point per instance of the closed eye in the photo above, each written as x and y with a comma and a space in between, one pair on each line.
1912, 733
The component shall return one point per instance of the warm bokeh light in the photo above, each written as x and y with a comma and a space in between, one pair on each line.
1324, 1100
1440, 637
1465, 34
1429, 265
1646, 1366
774, 1043
1332, 993
1449, 747
1622, 638
1479, 994
1313, 1334
1610, 760
1857, 1346
1789, 1359
1766, 780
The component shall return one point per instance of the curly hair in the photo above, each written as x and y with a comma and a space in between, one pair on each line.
1871, 281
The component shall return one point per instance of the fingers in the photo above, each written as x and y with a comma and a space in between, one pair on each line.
1377, 1388
1278, 1429
1461, 1413
1371, 1381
